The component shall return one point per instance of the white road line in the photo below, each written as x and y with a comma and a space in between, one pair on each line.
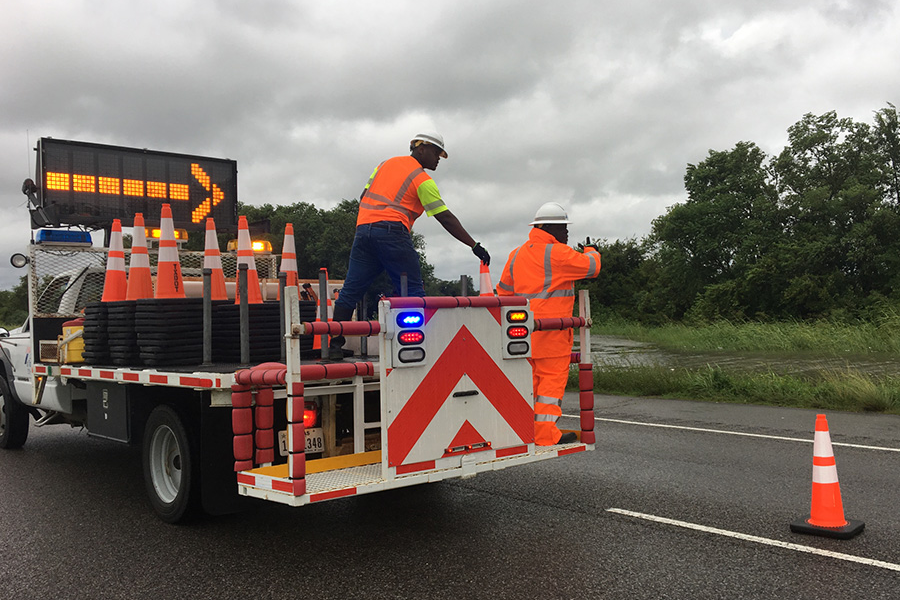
725, 431
759, 540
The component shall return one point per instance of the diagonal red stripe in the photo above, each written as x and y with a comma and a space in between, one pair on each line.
462, 356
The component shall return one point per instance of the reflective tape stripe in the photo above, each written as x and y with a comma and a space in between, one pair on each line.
547, 400
822, 444
512, 264
592, 268
825, 474
433, 205
548, 268
116, 262
397, 207
553, 294
406, 183
505, 287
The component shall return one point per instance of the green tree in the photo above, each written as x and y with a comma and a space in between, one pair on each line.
14, 304
729, 221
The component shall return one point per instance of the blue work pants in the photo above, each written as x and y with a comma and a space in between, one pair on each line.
382, 246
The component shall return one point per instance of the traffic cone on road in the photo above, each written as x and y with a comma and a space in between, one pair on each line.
140, 281
169, 283
289, 256
212, 259
826, 515
115, 284
486, 287
245, 256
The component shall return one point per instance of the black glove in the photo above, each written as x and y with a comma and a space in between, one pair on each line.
479, 251
588, 244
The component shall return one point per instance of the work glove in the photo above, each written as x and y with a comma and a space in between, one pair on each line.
479, 251
588, 244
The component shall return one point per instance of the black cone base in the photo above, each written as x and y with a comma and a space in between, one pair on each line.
846, 532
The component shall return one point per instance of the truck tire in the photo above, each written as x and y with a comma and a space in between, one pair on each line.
13, 419
171, 470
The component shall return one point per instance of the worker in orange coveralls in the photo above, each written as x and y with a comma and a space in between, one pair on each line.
544, 269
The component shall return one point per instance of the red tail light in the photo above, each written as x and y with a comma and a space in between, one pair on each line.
517, 332
310, 414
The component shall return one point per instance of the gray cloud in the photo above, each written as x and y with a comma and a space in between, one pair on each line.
598, 105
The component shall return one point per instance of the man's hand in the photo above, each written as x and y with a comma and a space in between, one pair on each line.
479, 251
588, 244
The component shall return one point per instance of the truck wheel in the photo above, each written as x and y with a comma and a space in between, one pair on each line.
171, 471
13, 419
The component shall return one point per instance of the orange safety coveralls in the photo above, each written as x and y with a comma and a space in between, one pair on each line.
544, 271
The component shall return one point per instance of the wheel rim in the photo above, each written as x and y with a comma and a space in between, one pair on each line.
165, 464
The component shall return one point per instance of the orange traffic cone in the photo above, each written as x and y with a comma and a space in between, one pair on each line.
169, 283
115, 284
140, 282
826, 515
212, 259
245, 257
487, 288
289, 256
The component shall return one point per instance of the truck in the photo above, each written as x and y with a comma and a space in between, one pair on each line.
436, 387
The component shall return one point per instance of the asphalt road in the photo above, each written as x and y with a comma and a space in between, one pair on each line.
74, 521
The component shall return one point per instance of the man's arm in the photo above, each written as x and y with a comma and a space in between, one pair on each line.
449, 222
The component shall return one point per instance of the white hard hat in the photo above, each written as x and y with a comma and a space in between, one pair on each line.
551, 213
432, 137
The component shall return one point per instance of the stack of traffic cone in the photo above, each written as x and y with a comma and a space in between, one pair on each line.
826, 515
140, 282
245, 257
289, 256
487, 288
115, 284
169, 283
212, 259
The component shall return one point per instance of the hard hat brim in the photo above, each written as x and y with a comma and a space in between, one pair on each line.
551, 222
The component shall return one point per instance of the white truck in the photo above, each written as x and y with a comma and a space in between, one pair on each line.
443, 390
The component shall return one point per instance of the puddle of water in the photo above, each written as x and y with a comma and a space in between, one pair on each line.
611, 351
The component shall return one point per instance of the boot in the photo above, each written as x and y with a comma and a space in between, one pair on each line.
336, 345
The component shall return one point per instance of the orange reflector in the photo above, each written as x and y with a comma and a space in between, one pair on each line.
517, 316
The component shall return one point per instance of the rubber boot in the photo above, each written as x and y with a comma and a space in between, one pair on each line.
336, 345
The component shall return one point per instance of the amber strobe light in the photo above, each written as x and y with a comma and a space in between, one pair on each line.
516, 316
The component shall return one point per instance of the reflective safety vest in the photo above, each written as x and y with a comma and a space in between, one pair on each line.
544, 271
392, 193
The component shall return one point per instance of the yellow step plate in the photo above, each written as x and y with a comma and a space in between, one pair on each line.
321, 465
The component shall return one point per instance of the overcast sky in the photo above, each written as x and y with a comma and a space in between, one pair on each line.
599, 105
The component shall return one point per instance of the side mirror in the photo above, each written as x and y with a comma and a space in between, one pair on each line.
4, 332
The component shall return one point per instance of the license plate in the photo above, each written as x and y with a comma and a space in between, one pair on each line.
315, 441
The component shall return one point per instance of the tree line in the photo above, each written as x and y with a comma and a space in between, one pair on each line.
810, 233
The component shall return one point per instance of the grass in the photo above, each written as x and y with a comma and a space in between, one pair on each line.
845, 389
881, 335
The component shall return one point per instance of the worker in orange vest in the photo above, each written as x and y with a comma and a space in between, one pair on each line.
398, 192
544, 269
